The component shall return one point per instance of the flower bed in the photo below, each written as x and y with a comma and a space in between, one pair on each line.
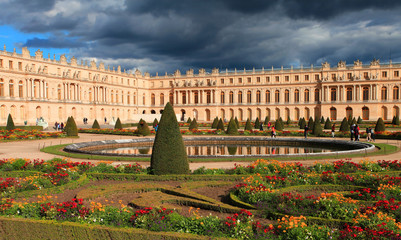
19, 134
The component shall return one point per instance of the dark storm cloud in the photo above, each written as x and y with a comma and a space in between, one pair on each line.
162, 35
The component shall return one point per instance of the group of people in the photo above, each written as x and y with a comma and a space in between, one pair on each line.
59, 126
85, 120
355, 132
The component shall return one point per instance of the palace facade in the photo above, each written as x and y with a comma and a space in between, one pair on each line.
33, 87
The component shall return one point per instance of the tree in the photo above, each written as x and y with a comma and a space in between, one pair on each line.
257, 123
10, 123
397, 120
118, 124
236, 122
71, 127
353, 121
189, 120
267, 120
302, 124
248, 125
220, 125
350, 120
232, 128
278, 125
168, 154
327, 124
310, 123
95, 125
380, 127
344, 127
155, 122
288, 120
143, 128
322, 120
359, 121
215, 122
193, 125
317, 129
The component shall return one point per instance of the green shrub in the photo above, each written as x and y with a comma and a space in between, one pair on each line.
288, 120
10, 123
155, 122
267, 119
118, 124
71, 127
317, 129
302, 123
396, 120
322, 120
236, 122
327, 124
310, 123
215, 122
344, 127
278, 125
143, 128
257, 123
380, 126
95, 125
359, 121
168, 154
248, 125
193, 125
189, 120
220, 125
232, 128
353, 121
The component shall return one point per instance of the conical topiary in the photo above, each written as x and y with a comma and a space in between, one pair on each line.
257, 123
189, 120
168, 154
359, 121
350, 120
71, 127
353, 121
95, 125
288, 121
236, 122
155, 122
327, 124
143, 128
248, 125
267, 120
310, 123
282, 123
220, 125
118, 124
193, 125
278, 125
302, 123
10, 123
317, 129
397, 120
380, 126
322, 120
344, 127
232, 128
215, 122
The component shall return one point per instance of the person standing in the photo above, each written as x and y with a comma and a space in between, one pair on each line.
372, 134
306, 131
356, 131
333, 129
273, 132
105, 120
352, 132
261, 127
368, 134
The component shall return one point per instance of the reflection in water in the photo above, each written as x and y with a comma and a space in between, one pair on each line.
220, 150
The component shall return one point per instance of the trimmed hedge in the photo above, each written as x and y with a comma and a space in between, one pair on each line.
172, 177
220, 125
193, 125
248, 125
95, 125
71, 127
232, 128
118, 124
10, 123
143, 128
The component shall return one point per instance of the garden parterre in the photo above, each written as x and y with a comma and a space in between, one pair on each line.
343, 200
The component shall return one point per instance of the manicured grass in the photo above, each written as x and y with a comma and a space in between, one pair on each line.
383, 149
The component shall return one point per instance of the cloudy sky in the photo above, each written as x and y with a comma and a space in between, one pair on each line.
164, 35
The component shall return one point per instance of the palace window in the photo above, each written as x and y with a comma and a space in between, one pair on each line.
365, 113
222, 97
208, 97
333, 92
365, 75
231, 80
171, 98
258, 79
333, 113
277, 96
1, 63
267, 96
384, 74
287, 78
296, 95
162, 99
277, 78
249, 96
317, 77
184, 97
333, 76
1, 88
287, 96
306, 95
239, 97
10, 64
258, 96
196, 97
349, 94
153, 99
128, 98
384, 93
296, 77
222, 81
20, 89
144, 99
231, 97
11, 88
239, 80
349, 76
396, 93
365, 93
396, 73
267, 79
249, 80
20, 66
306, 77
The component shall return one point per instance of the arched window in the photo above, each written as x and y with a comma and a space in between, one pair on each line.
267, 96
365, 113
59, 92
11, 88
296, 95
171, 98
317, 95
384, 93
384, 113
222, 97
1, 88
20, 89
277, 113
365, 93
307, 113
207, 111
396, 93
239, 97
144, 99
348, 112
231, 97
277, 96
333, 92
249, 96
112, 96
153, 99
161, 99
349, 94
287, 96
296, 114
184, 97
129, 98
258, 96
208, 97
306, 95
333, 113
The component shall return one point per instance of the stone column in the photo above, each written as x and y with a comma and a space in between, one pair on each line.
32, 88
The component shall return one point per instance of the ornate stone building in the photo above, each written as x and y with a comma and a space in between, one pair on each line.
32, 87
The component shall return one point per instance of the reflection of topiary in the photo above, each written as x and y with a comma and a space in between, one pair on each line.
236, 122
155, 122
215, 122
232, 128
344, 125
143, 150
327, 124
248, 125
232, 150
317, 129
71, 127
118, 124
10, 123
189, 120
168, 153
257, 123
193, 125
380, 126
95, 125
220, 125
143, 128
